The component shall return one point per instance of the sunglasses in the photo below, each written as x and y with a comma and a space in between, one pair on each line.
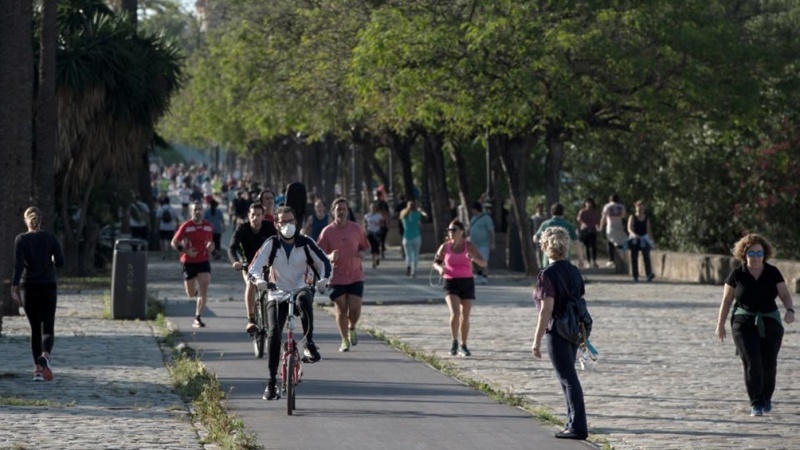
758, 254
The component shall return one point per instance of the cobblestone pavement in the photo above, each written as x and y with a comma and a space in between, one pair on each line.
110, 390
663, 381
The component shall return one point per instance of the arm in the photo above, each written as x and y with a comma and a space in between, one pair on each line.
255, 272
724, 309
438, 260
475, 256
545, 313
578, 251
630, 227
786, 298
321, 261
58, 253
19, 264
235, 253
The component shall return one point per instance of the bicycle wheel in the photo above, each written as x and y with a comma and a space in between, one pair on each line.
290, 381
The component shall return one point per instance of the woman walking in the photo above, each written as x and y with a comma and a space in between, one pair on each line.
756, 320
557, 283
37, 253
411, 218
454, 261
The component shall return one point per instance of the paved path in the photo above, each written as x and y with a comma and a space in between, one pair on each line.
663, 381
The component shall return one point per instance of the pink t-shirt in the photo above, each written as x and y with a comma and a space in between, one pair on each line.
456, 265
349, 240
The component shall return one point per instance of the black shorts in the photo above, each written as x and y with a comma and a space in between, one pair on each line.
462, 287
166, 235
190, 270
339, 290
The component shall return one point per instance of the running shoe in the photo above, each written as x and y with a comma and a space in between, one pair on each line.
464, 351
37, 375
454, 348
47, 373
198, 323
353, 338
311, 352
251, 326
345, 346
756, 411
768, 406
271, 392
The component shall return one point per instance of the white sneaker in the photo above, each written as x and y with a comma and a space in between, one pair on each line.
610, 264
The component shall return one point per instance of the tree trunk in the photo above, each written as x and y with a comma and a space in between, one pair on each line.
437, 183
514, 157
552, 166
461, 178
401, 147
16, 131
44, 188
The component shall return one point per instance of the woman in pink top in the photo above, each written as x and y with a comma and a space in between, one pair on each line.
345, 241
454, 261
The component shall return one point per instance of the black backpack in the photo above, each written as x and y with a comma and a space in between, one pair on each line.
304, 242
166, 216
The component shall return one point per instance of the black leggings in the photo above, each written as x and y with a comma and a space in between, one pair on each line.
590, 244
275, 329
40, 307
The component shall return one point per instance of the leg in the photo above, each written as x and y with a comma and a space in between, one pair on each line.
353, 310
415, 245
48, 310
33, 311
191, 287
635, 262
203, 280
466, 309
648, 268
406, 256
562, 356
250, 292
770, 347
592, 249
454, 305
611, 249
306, 305
276, 319
341, 316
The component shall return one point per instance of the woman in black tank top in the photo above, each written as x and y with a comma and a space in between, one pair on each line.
640, 240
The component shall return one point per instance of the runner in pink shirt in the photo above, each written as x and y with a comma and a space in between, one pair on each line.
345, 242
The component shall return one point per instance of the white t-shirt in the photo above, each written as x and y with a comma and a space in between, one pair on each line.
373, 222
615, 225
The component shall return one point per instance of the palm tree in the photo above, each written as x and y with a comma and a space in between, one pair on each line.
46, 121
113, 86
16, 122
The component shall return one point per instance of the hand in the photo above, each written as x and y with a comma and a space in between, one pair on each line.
322, 286
536, 349
788, 317
210, 246
262, 285
334, 256
237, 266
721, 332
15, 295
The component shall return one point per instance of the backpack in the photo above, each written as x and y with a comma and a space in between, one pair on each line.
166, 215
575, 323
304, 243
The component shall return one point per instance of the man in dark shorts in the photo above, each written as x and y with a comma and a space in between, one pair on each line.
194, 240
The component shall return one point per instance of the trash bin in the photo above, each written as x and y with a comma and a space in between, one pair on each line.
129, 279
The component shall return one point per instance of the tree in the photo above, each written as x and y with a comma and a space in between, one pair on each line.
46, 121
16, 130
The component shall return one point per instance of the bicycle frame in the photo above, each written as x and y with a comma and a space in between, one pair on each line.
291, 366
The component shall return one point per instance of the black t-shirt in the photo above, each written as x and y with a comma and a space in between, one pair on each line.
245, 239
755, 295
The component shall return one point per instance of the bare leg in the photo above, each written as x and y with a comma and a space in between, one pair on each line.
353, 310
203, 280
466, 309
453, 304
341, 315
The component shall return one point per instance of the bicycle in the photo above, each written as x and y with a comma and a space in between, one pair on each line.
259, 336
291, 365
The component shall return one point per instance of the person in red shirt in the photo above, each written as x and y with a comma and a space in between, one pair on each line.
194, 240
345, 241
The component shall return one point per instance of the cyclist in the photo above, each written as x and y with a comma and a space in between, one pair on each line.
248, 237
294, 260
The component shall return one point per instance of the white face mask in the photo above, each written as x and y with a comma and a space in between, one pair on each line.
288, 230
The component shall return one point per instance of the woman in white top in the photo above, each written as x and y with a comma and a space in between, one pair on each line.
374, 222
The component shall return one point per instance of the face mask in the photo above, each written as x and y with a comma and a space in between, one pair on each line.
288, 230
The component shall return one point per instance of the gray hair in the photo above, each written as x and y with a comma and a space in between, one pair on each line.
555, 242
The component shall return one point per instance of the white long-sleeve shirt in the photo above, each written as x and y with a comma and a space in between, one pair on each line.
291, 271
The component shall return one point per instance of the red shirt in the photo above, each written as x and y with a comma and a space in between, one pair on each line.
197, 237
349, 240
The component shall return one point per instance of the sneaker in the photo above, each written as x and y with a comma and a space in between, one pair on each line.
767, 406
353, 338
251, 326
650, 277
484, 279
408, 271
271, 392
37, 375
610, 264
47, 373
756, 411
311, 352
378, 262
454, 348
345, 346
198, 323
464, 351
